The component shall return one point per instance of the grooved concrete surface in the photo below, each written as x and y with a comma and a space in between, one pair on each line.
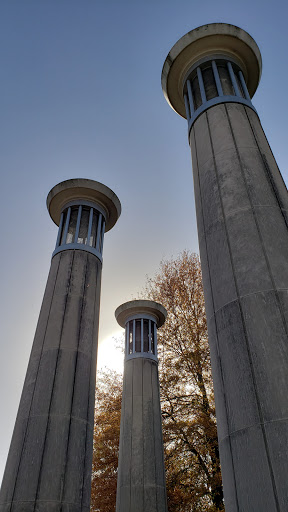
141, 475
242, 214
49, 463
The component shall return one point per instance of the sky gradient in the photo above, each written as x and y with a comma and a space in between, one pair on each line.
81, 97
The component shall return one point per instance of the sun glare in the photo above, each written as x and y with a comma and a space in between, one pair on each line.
110, 354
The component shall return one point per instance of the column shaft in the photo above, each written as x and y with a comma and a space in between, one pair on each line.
242, 208
49, 462
141, 478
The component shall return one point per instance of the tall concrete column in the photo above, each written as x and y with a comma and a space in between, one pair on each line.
49, 463
209, 77
141, 473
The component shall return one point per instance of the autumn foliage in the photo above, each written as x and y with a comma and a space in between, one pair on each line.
106, 441
193, 473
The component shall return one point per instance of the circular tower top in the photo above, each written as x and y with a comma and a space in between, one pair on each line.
83, 189
202, 42
140, 307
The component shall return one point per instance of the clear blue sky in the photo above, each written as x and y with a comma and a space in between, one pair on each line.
81, 97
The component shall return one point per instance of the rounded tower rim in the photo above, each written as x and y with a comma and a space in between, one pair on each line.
211, 39
138, 307
83, 189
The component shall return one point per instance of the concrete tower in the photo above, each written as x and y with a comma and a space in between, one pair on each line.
141, 474
209, 78
49, 462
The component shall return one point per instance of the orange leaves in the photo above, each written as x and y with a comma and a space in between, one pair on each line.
106, 441
187, 400
193, 475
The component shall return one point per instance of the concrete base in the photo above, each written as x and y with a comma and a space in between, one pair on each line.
141, 476
242, 212
50, 458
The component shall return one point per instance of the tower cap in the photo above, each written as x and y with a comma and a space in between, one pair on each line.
138, 307
83, 189
215, 38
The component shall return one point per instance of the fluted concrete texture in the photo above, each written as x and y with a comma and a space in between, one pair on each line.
141, 477
50, 458
242, 213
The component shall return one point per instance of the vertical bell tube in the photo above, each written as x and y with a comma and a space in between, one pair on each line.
50, 459
241, 204
141, 474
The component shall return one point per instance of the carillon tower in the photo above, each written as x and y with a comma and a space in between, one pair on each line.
50, 458
209, 78
141, 474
